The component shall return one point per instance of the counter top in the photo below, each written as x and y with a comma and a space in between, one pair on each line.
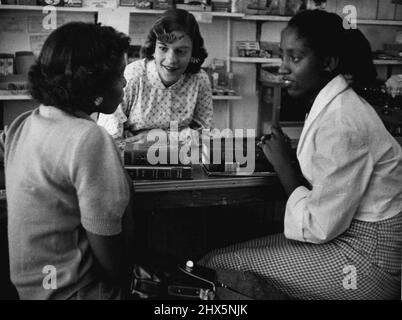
202, 181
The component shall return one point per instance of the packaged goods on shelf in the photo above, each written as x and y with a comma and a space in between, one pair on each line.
254, 49
221, 5
100, 3
6, 64
127, 3
163, 4
269, 49
189, 5
248, 48
73, 3
393, 49
13, 84
222, 81
59, 3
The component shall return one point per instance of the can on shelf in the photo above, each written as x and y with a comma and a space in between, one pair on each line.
23, 61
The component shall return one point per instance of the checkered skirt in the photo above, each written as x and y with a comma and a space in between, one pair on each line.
362, 263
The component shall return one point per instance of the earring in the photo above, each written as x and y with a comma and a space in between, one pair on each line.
194, 60
98, 101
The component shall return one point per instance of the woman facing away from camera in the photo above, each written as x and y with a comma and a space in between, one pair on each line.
168, 84
342, 231
67, 190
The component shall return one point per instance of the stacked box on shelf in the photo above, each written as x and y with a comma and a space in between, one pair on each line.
163, 4
100, 3
221, 5
60, 3
140, 4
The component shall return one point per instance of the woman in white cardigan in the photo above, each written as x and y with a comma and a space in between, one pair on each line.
342, 229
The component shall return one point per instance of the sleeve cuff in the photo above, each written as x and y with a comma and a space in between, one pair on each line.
294, 214
103, 227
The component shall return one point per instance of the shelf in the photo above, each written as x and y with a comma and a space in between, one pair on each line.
40, 8
243, 16
129, 9
14, 97
213, 13
273, 18
271, 61
380, 22
277, 61
266, 18
227, 97
27, 97
387, 62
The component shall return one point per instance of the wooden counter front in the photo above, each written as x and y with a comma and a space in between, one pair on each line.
205, 191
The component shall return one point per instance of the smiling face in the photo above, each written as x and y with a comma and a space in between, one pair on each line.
301, 68
172, 56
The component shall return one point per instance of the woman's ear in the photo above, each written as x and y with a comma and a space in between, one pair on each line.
331, 63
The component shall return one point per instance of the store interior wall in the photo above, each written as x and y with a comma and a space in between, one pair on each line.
243, 113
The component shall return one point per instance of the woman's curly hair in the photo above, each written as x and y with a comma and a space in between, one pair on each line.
177, 20
78, 62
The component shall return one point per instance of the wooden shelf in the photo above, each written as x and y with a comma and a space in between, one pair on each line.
271, 61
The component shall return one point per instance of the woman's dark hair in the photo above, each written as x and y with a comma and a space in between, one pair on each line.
177, 20
78, 62
325, 34
359, 58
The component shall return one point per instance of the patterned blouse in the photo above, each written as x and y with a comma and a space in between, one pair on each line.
148, 104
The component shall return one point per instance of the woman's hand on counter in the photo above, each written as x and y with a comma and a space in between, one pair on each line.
277, 149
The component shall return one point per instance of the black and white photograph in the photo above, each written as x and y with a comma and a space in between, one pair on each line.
199, 156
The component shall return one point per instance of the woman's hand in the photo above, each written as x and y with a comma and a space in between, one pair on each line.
129, 137
276, 148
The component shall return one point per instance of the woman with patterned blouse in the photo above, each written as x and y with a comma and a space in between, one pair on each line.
168, 84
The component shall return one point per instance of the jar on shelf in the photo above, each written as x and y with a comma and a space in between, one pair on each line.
23, 61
